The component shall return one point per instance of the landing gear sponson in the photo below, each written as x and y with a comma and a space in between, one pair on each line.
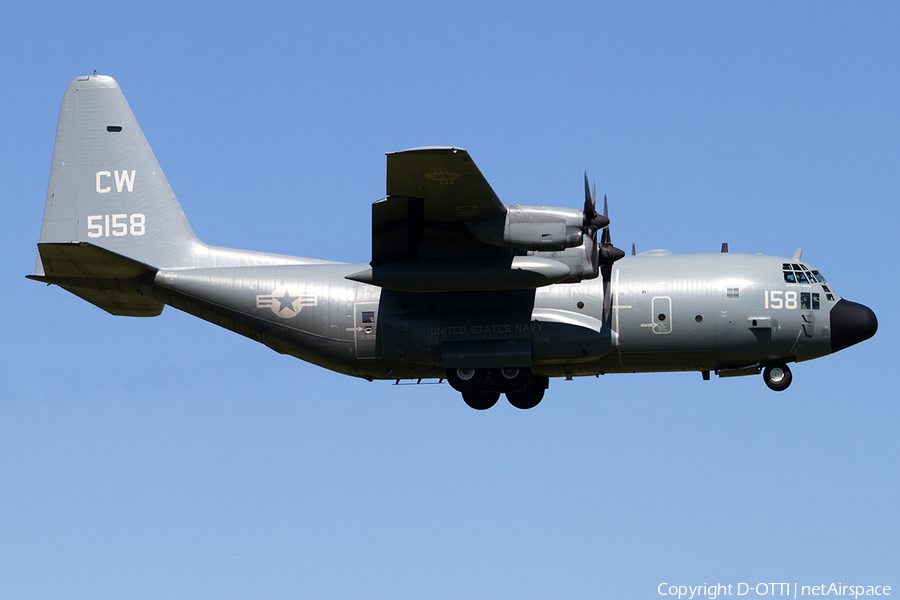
481, 388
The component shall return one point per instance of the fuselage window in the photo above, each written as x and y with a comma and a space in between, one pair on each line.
804, 301
368, 317
815, 301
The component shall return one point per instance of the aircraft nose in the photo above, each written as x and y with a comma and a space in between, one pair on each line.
851, 323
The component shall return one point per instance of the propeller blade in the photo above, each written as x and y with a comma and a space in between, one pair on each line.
607, 289
589, 208
592, 252
591, 220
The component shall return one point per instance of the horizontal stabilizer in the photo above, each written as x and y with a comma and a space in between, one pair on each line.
103, 278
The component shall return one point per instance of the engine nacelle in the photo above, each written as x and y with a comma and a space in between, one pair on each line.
578, 259
536, 228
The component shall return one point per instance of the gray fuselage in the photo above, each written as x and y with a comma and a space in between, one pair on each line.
699, 312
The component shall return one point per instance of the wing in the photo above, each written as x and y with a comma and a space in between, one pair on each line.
442, 228
447, 179
431, 193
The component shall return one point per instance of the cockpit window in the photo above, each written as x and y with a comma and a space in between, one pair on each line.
794, 273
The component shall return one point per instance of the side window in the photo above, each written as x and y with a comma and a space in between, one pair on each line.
804, 301
815, 301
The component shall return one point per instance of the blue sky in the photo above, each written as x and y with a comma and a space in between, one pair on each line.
164, 457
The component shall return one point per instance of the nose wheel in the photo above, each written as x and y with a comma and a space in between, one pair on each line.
777, 376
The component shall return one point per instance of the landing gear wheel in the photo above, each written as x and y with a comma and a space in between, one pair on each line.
481, 400
526, 398
777, 376
508, 379
466, 380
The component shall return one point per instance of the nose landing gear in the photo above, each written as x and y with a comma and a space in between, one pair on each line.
777, 376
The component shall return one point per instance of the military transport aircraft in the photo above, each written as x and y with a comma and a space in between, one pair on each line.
493, 298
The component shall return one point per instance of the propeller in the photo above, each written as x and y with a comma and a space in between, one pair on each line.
602, 250
608, 253
591, 222
591, 219
603, 253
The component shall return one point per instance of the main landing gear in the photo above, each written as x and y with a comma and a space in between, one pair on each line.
777, 376
481, 388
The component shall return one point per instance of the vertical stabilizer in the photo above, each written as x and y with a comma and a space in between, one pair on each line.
106, 187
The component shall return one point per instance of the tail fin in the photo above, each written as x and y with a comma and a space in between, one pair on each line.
111, 218
106, 186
